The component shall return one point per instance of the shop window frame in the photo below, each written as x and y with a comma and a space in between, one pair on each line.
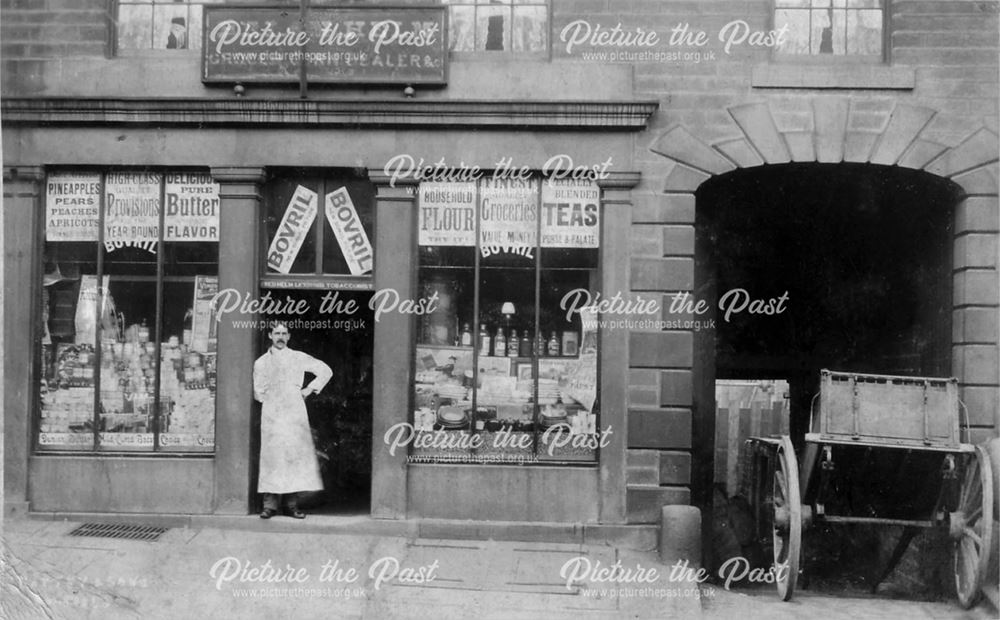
37, 328
818, 61
597, 274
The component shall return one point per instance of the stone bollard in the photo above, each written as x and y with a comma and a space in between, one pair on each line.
680, 535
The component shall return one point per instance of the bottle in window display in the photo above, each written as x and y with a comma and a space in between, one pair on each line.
186, 335
500, 344
484, 340
570, 344
466, 336
512, 344
525, 346
540, 344
553, 345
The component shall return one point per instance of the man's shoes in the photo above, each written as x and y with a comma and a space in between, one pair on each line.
295, 513
267, 513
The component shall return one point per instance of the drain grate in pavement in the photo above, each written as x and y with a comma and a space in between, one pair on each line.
120, 530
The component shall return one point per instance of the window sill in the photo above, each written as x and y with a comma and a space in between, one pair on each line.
841, 76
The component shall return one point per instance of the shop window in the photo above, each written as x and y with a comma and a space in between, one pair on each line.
505, 364
844, 28
159, 24
514, 27
320, 227
128, 346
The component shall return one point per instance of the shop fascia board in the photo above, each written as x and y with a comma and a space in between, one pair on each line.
354, 113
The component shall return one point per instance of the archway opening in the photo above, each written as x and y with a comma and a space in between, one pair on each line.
851, 266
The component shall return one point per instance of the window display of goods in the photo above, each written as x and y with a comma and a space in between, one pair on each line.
67, 410
74, 365
193, 412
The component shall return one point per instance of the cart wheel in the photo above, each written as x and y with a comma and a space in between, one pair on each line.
787, 529
971, 528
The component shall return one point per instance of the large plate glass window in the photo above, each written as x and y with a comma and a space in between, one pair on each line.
505, 368
831, 27
128, 346
513, 27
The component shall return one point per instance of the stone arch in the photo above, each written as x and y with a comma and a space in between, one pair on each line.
903, 140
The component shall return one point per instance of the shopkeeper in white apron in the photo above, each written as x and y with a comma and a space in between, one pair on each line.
288, 462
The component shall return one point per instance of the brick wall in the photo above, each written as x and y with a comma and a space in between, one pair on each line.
36, 29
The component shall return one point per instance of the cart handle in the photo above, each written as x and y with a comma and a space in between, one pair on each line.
812, 412
963, 427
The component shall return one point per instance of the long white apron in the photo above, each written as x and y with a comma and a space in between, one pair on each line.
287, 455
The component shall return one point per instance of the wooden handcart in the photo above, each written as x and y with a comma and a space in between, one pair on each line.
882, 450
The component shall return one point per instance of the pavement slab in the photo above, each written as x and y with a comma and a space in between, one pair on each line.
720, 604
247, 574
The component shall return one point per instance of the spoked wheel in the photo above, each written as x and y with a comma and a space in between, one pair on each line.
971, 528
787, 528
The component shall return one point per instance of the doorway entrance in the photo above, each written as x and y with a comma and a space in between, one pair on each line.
861, 256
341, 415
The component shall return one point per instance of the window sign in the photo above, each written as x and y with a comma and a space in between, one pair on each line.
299, 216
351, 236
301, 248
132, 210
570, 214
447, 214
72, 202
192, 211
508, 216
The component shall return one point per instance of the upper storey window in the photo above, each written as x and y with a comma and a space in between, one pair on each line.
512, 27
832, 27
159, 24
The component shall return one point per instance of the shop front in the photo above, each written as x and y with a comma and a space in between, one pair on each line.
468, 369
448, 235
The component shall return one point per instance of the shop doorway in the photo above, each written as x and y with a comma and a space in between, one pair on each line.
341, 415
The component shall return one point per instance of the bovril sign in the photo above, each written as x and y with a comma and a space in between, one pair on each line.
298, 220
292, 230
351, 236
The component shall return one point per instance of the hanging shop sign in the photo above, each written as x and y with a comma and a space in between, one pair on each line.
508, 212
132, 210
570, 214
381, 45
72, 207
447, 214
351, 236
292, 230
192, 207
